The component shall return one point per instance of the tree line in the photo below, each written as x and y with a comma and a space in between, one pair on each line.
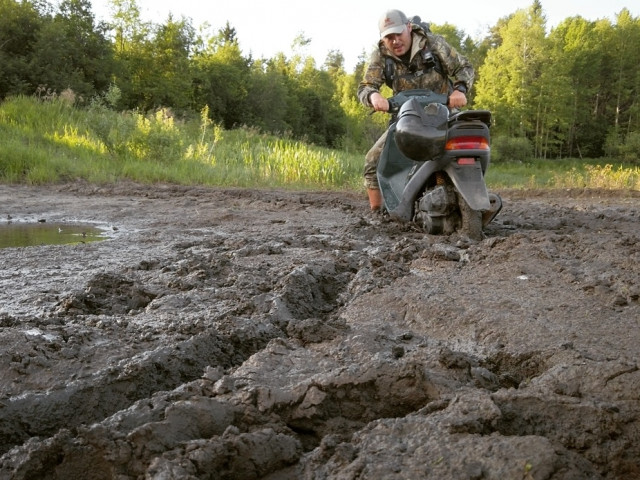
570, 92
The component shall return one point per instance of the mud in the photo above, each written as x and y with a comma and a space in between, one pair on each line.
243, 334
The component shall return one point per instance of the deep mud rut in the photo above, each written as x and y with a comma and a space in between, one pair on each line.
241, 334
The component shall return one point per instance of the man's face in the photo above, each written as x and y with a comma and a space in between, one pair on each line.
398, 43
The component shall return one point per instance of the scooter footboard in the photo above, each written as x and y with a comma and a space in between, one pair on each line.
404, 209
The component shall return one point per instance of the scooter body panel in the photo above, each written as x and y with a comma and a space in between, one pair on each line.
393, 169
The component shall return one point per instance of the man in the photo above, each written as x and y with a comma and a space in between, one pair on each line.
408, 57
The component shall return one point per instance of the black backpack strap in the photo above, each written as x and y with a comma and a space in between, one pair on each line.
432, 60
389, 72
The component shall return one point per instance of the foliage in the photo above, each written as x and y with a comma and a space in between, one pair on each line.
569, 92
628, 149
51, 140
509, 149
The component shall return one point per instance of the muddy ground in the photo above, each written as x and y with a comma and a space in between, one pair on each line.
242, 334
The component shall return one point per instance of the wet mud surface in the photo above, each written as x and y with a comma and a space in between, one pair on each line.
243, 334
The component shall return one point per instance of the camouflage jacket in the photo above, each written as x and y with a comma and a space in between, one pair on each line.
455, 66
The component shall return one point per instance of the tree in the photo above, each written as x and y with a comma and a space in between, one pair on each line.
334, 63
130, 30
267, 99
454, 36
221, 78
509, 81
322, 119
20, 25
72, 52
576, 61
129, 44
626, 79
167, 81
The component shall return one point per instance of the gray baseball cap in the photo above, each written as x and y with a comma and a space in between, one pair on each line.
393, 21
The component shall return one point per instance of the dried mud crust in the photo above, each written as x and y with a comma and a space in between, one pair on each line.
245, 334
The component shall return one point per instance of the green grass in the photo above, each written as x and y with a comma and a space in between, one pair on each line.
566, 173
49, 142
52, 141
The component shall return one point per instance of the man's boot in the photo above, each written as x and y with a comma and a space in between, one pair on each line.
375, 199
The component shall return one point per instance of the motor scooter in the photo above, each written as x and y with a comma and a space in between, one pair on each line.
432, 167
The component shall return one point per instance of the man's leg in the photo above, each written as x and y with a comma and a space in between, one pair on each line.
370, 176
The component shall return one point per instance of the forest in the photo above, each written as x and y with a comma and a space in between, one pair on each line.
567, 92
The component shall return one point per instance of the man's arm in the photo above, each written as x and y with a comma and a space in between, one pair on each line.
457, 66
369, 88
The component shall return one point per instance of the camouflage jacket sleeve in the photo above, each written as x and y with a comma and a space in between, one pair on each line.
373, 78
455, 68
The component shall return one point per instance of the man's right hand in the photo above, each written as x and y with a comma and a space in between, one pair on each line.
378, 102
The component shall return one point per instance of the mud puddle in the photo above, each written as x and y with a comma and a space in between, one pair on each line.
28, 234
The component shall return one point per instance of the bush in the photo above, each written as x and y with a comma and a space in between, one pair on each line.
630, 149
507, 149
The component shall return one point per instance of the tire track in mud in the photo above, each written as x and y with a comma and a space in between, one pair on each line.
354, 355
302, 309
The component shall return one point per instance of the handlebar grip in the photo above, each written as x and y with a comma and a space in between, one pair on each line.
394, 105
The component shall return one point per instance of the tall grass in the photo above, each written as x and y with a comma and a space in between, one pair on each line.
52, 141
569, 173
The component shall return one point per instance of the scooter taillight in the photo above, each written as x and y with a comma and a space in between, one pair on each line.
467, 143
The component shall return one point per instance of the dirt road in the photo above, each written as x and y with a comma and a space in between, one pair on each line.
240, 334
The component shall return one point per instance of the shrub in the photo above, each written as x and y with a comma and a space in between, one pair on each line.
506, 149
630, 149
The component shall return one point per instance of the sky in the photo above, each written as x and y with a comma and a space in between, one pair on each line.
265, 28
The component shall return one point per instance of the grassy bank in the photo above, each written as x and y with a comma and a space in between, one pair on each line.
566, 173
48, 142
51, 142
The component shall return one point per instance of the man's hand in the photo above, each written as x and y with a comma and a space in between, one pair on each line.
379, 103
457, 99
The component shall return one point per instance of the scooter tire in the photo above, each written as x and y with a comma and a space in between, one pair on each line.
471, 220
434, 225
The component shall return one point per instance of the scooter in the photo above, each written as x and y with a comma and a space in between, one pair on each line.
432, 167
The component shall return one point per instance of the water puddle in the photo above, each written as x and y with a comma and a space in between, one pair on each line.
41, 233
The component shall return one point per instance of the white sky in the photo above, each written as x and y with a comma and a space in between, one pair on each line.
267, 27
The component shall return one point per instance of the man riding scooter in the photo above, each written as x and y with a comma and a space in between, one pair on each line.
409, 57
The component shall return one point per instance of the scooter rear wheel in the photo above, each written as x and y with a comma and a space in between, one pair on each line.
471, 220
434, 225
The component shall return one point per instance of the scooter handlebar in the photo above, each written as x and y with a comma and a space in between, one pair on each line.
423, 95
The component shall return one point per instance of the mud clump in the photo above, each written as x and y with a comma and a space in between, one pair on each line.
106, 294
244, 334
